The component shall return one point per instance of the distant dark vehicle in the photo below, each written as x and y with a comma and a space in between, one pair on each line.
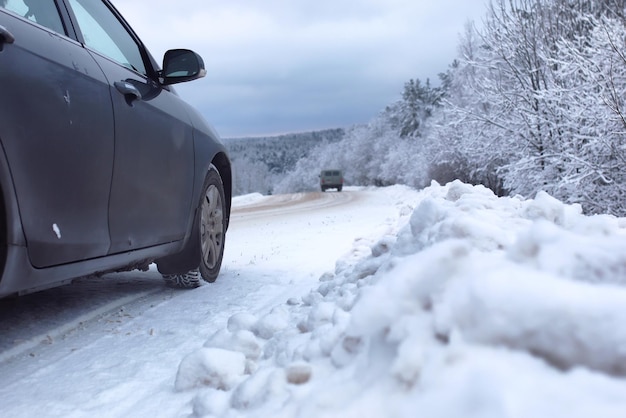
331, 179
102, 166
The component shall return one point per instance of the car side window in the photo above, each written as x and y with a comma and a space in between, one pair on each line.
105, 34
44, 12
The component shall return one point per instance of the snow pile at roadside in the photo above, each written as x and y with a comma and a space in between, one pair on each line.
248, 199
474, 306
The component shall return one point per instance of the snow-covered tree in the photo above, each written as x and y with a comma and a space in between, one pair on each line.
510, 107
418, 103
595, 156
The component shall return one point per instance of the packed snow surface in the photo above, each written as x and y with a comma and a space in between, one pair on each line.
452, 302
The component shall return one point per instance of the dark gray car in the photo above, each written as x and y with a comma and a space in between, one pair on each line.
102, 166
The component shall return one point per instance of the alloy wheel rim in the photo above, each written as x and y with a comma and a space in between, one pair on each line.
211, 227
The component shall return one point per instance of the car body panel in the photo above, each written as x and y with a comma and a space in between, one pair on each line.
153, 170
61, 125
204, 140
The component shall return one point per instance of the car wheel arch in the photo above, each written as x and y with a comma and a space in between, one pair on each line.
3, 227
189, 256
223, 166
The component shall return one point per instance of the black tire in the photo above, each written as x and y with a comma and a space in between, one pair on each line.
210, 224
189, 280
339, 188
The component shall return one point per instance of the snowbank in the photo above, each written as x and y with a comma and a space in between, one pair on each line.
248, 199
473, 306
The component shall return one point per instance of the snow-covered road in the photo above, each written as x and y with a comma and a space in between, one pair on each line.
112, 346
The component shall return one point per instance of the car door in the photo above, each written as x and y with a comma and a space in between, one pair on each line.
56, 128
153, 171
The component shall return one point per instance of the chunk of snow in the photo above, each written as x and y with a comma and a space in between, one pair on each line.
271, 323
212, 367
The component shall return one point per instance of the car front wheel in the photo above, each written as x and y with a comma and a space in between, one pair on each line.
211, 230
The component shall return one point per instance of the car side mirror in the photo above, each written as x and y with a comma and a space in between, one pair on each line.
180, 65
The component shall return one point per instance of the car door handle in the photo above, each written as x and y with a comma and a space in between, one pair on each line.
130, 92
6, 37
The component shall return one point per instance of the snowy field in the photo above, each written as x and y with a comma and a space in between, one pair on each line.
448, 302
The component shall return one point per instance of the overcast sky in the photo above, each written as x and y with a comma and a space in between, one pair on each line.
279, 66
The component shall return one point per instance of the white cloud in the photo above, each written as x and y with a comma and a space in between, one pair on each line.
308, 53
